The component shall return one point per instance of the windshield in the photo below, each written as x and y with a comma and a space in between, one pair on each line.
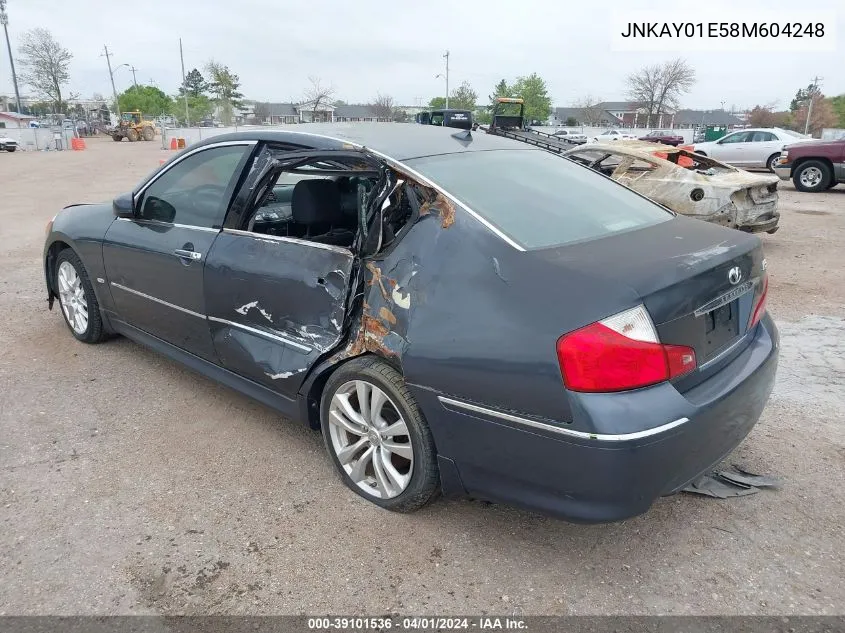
539, 199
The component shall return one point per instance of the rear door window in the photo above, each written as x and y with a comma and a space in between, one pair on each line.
540, 199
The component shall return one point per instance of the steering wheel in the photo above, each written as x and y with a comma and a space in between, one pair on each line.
206, 196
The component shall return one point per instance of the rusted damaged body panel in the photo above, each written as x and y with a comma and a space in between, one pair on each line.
264, 324
690, 184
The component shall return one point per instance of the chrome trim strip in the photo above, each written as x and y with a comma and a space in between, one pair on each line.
730, 295
267, 335
206, 229
196, 150
724, 352
292, 240
424, 180
603, 437
157, 300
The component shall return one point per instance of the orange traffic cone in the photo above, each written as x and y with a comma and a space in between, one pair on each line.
77, 143
173, 143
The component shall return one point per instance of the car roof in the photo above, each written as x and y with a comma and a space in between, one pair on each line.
399, 141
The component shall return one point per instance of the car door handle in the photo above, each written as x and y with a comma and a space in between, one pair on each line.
186, 254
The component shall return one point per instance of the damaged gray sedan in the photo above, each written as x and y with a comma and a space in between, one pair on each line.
689, 183
457, 313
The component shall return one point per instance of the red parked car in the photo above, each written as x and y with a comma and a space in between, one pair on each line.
813, 166
663, 136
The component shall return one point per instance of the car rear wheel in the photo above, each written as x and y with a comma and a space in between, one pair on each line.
77, 299
11, 149
377, 438
812, 176
771, 162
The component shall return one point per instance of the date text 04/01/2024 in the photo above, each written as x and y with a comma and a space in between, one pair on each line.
490, 623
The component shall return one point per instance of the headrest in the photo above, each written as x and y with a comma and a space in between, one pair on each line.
316, 202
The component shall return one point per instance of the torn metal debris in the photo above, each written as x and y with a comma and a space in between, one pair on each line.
723, 484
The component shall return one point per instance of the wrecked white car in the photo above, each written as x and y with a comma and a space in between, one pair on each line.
688, 183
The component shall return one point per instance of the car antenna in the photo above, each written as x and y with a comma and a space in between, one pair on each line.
465, 136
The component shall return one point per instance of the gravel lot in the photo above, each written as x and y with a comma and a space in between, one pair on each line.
132, 485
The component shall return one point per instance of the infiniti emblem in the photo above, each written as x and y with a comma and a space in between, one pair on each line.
734, 275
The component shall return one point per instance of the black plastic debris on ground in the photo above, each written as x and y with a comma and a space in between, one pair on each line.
723, 484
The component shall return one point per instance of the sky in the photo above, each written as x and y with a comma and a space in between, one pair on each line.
365, 47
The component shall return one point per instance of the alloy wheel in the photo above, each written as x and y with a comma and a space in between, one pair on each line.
811, 177
370, 439
72, 297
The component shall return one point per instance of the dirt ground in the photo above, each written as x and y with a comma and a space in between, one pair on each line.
132, 485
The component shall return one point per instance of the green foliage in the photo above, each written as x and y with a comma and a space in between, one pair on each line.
149, 100
437, 103
838, 104
535, 93
571, 121
224, 87
803, 96
199, 108
194, 85
463, 98
501, 89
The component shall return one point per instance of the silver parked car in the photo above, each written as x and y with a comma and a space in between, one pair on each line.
753, 147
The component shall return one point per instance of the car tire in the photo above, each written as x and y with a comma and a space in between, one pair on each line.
812, 176
770, 162
11, 149
698, 151
78, 303
402, 480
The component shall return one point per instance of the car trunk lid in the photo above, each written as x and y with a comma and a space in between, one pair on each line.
697, 281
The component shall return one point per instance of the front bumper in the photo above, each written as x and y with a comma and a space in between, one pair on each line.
783, 171
610, 476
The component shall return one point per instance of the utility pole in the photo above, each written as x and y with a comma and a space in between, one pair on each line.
134, 81
815, 85
111, 76
447, 78
4, 19
184, 88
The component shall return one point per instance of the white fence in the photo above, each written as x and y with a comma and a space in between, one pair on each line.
42, 138
595, 131
833, 133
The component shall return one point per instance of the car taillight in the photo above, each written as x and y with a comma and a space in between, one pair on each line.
760, 297
618, 353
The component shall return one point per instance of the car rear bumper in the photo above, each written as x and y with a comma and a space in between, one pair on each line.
648, 443
783, 171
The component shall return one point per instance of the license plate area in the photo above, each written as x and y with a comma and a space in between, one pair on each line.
721, 328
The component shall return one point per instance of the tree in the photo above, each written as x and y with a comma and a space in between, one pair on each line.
463, 97
838, 104
534, 92
501, 89
437, 103
318, 94
44, 64
591, 113
194, 84
822, 116
224, 86
382, 106
659, 87
803, 96
148, 99
571, 121
765, 116
261, 111
199, 108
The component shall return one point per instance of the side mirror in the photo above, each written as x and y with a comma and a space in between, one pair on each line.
124, 206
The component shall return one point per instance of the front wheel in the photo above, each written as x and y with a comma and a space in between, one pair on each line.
148, 133
812, 176
132, 135
11, 149
770, 164
77, 299
377, 438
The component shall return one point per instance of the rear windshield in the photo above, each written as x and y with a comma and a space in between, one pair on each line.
539, 199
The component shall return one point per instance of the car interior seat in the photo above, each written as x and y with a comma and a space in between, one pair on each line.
316, 205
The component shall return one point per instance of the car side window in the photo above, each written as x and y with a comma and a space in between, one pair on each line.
762, 137
193, 192
739, 137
